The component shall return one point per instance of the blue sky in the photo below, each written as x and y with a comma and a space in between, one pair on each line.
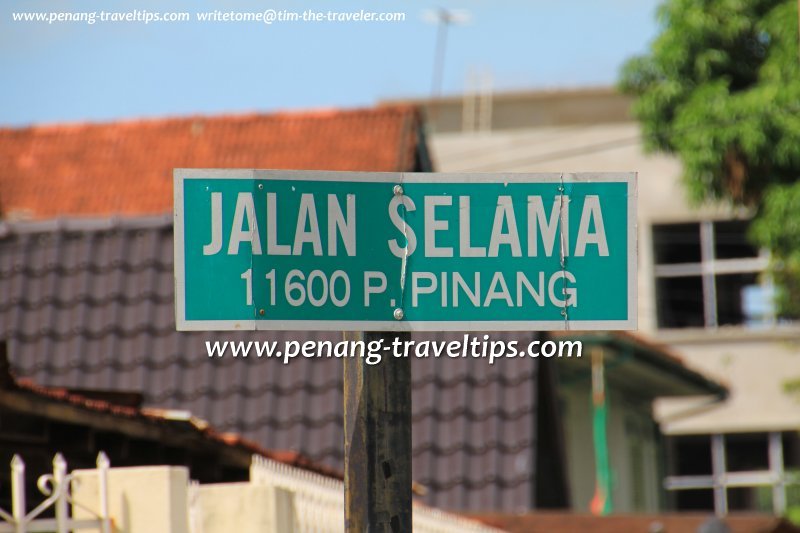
76, 72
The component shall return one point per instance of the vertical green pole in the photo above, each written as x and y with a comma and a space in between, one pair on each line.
601, 502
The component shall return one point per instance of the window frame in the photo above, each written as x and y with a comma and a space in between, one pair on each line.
707, 269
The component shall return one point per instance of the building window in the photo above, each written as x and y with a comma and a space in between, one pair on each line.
707, 274
738, 472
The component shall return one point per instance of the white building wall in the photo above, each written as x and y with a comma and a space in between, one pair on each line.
754, 363
278, 499
148, 499
243, 508
757, 366
598, 148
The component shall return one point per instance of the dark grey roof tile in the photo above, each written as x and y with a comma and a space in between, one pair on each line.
110, 324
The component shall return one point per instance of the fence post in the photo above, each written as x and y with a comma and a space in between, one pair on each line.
60, 492
18, 493
103, 464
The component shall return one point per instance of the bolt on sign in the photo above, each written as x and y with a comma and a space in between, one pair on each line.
303, 250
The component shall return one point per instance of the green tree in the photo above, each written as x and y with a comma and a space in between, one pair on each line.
778, 229
720, 88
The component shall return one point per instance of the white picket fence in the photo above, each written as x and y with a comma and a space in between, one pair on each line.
319, 502
278, 498
56, 490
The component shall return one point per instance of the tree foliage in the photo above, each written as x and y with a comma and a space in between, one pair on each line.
720, 88
778, 229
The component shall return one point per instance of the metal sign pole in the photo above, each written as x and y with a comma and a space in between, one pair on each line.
377, 440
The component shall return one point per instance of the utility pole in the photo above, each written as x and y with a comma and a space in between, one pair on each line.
377, 440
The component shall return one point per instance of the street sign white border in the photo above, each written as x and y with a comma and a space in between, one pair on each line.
180, 175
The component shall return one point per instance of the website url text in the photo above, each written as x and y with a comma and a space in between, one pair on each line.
144, 16
373, 351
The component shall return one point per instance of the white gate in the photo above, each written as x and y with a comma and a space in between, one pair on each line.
55, 488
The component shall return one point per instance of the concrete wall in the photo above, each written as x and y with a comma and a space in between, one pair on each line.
278, 499
140, 499
600, 105
244, 508
757, 366
599, 148
160, 499
754, 363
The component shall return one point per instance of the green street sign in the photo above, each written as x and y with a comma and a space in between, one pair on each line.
303, 250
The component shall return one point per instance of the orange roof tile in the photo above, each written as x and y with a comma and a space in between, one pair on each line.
203, 430
565, 522
126, 167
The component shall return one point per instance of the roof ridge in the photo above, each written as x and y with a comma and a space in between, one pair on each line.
312, 113
84, 224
